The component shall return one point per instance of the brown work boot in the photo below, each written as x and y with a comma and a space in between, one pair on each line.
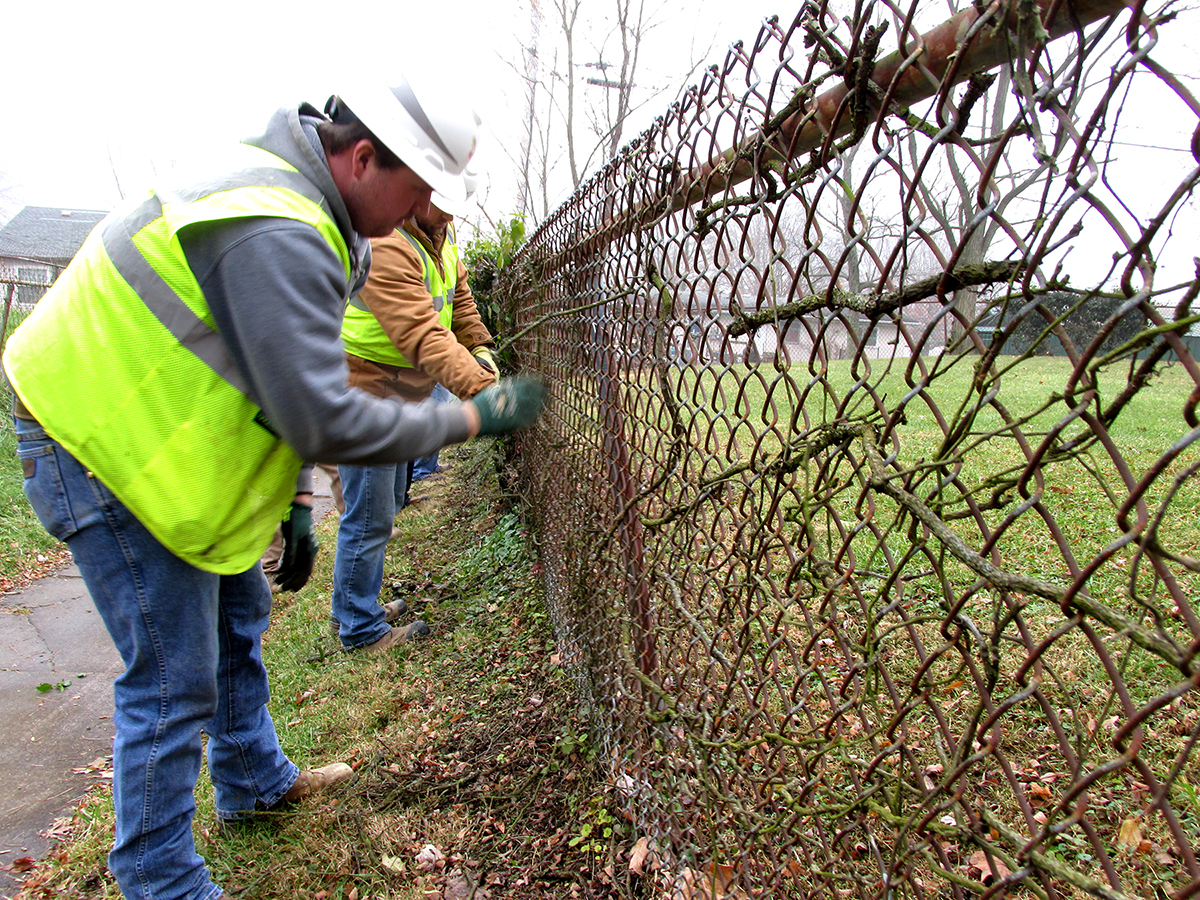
391, 612
394, 610
310, 781
398, 635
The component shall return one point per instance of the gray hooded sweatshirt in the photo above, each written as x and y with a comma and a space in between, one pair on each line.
277, 292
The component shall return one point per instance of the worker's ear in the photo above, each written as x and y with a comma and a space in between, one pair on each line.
361, 157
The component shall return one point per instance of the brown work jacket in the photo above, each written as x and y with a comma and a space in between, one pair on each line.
396, 295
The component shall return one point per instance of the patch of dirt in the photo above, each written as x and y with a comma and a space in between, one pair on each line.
495, 803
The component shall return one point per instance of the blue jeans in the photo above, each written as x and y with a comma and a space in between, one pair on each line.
373, 495
425, 467
190, 641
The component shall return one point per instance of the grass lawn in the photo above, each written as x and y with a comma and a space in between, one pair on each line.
825, 659
27, 552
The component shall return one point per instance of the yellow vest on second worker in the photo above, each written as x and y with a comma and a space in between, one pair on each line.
364, 336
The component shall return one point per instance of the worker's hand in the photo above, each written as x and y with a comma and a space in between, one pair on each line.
510, 405
299, 548
484, 355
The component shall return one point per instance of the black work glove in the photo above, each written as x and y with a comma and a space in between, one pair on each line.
512, 404
299, 548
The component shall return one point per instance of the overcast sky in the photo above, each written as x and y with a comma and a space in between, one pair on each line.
105, 98
101, 94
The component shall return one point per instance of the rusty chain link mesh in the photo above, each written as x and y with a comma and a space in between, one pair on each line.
865, 491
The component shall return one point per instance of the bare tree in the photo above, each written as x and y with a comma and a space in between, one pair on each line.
583, 96
536, 162
532, 61
9, 204
952, 194
609, 115
568, 15
976, 161
113, 166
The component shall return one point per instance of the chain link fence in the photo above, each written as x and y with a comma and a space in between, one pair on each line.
866, 489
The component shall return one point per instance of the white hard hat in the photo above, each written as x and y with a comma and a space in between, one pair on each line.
433, 131
457, 208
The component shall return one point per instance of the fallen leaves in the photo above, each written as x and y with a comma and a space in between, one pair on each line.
1039, 794
1129, 838
463, 884
642, 859
429, 858
393, 864
718, 883
430, 862
986, 869
100, 767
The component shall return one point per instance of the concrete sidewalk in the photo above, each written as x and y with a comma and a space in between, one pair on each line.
50, 633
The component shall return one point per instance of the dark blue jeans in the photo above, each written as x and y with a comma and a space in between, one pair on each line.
191, 644
373, 495
427, 465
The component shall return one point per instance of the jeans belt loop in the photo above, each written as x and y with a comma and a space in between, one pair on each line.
20, 411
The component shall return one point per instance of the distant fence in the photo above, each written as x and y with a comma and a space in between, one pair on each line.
866, 491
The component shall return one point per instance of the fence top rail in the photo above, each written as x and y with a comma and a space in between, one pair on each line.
973, 40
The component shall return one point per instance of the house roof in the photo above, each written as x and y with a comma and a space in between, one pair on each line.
47, 233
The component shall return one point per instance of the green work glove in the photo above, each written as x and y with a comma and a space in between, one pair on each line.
484, 355
510, 405
299, 548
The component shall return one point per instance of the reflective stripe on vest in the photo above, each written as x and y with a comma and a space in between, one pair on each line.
122, 364
364, 336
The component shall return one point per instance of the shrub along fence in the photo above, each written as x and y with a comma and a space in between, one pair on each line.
865, 491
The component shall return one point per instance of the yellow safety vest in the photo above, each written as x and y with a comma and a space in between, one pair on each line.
364, 336
122, 364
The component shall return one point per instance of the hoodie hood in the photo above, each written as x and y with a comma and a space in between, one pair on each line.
292, 136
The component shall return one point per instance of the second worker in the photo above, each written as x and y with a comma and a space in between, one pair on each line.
413, 325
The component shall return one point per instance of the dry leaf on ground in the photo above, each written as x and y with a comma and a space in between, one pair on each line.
716, 885
393, 864
463, 885
1130, 835
429, 858
989, 871
642, 857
